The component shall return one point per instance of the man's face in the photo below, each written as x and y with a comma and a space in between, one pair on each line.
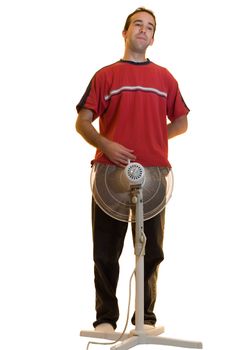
140, 32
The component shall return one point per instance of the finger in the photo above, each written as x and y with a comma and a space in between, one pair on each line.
128, 154
128, 150
123, 161
120, 164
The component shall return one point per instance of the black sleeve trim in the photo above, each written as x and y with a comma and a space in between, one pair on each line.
84, 98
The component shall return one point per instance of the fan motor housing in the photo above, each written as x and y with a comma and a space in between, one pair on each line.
134, 174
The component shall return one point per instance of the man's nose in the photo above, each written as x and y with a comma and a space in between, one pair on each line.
143, 29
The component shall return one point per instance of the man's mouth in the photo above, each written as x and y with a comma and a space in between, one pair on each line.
141, 38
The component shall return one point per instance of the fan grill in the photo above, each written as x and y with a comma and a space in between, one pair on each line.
113, 195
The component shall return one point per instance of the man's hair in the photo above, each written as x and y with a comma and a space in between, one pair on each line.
139, 9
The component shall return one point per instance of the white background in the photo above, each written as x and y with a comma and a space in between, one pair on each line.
49, 52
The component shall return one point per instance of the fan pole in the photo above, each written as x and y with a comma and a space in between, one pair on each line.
140, 239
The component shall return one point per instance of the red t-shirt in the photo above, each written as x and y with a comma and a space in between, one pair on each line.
133, 102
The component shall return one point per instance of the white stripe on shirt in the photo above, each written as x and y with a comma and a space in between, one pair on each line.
134, 88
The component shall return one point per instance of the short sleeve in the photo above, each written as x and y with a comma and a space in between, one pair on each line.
176, 106
93, 97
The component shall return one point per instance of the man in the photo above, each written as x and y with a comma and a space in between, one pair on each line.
140, 107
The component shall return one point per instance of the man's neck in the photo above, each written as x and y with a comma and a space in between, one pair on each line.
134, 57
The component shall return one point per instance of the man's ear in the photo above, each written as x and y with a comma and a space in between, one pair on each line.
124, 33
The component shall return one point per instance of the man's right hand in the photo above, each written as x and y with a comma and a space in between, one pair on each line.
117, 153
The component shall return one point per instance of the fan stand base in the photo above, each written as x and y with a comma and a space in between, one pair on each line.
131, 339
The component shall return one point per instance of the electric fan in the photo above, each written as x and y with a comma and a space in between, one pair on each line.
134, 194
111, 188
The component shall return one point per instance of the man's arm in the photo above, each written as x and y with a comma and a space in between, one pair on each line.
117, 153
177, 127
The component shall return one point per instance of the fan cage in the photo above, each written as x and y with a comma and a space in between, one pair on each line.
113, 195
